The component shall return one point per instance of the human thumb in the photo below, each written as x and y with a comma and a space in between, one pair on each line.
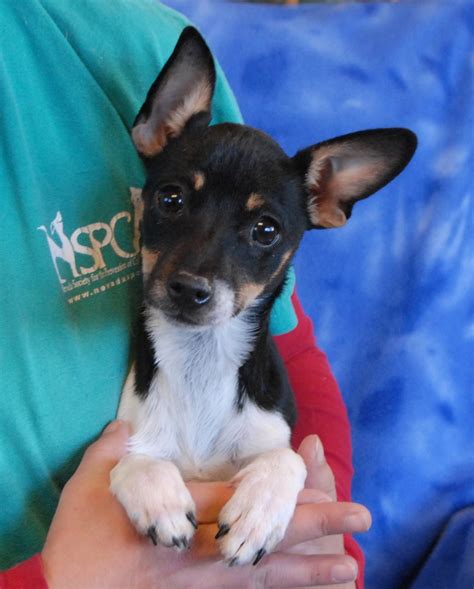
108, 449
320, 475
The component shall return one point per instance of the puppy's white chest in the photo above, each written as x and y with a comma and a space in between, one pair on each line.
190, 415
188, 423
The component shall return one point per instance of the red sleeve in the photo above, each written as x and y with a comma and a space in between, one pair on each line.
321, 410
26, 575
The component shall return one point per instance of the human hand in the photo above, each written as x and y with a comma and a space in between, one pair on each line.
316, 529
92, 544
321, 480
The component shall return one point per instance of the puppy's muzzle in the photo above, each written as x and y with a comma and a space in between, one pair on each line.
188, 291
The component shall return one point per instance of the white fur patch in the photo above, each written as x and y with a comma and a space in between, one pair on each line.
191, 401
224, 302
261, 508
190, 419
154, 495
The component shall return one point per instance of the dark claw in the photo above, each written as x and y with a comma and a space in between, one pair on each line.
192, 518
181, 542
233, 561
260, 554
223, 530
151, 533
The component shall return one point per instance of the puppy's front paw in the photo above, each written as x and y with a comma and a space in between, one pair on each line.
255, 519
155, 498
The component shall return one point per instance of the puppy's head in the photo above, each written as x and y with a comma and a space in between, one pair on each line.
224, 207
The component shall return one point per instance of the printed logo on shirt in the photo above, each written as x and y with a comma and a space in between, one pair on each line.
92, 259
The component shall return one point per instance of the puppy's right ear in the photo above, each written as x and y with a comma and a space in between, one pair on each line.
183, 89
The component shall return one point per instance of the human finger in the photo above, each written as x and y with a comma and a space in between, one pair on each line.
311, 521
285, 570
209, 498
320, 475
282, 571
312, 496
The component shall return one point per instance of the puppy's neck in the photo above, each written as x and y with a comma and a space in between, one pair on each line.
193, 353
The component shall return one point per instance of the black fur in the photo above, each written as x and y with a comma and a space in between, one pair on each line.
145, 365
211, 234
396, 143
262, 377
263, 380
190, 50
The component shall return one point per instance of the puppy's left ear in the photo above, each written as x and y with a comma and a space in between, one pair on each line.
339, 172
184, 88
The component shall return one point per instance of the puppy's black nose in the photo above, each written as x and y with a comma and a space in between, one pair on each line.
189, 290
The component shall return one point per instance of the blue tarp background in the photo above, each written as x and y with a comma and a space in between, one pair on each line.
391, 293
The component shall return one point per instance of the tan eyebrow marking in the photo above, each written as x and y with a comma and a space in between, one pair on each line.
255, 200
199, 180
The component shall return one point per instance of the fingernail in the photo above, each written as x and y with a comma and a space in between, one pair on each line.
319, 452
357, 522
113, 426
343, 573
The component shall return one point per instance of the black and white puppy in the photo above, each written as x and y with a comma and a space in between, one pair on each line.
224, 209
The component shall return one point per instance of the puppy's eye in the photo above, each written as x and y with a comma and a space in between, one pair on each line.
170, 200
266, 231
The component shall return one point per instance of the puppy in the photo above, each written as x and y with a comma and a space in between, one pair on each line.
224, 209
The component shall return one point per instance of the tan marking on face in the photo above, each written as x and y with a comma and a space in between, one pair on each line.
248, 294
149, 259
255, 200
282, 264
199, 180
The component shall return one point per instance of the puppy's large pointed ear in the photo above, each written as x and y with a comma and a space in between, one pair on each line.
183, 89
341, 171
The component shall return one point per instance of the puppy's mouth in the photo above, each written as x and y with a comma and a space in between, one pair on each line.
187, 318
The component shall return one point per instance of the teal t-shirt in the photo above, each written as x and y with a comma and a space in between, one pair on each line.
73, 74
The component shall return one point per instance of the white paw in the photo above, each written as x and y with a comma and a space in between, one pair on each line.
155, 498
255, 519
